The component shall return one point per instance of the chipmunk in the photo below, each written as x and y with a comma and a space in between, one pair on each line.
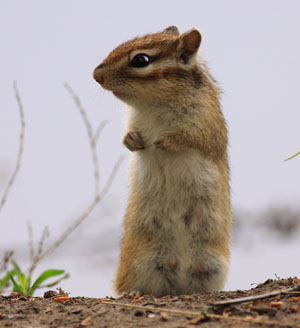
177, 224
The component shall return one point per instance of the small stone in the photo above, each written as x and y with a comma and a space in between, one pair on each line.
76, 310
86, 322
138, 313
196, 320
164, 316
50, 293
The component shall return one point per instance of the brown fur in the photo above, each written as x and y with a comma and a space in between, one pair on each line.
177, 224
160, 40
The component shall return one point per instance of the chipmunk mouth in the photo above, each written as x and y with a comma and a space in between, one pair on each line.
121, 95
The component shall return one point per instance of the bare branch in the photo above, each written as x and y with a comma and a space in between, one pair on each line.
30, 241
112, 176
45, 234
99, 130
20, 153
294, 289
90, 136
6, 258
98, 195
80, 219
35, 260
202, 316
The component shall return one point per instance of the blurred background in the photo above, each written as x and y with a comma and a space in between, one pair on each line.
252, 48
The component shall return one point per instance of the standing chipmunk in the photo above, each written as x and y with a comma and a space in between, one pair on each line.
177, 225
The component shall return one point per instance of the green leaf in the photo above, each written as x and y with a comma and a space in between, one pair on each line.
28, 281
17, 287
5, 281
16, 267
23, 283
44, 276
292, 157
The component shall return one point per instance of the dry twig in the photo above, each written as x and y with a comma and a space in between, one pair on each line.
20, 153
6, 258
98, 195
30, 241
205, 315
295, 289
90, 136
35, 258
99, 130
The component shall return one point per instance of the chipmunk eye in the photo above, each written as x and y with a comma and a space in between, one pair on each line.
140, 60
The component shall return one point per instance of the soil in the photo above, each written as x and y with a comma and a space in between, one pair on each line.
170, 311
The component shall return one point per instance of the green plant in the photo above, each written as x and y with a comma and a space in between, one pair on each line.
292, 156
6, 281
23, 284
16, 280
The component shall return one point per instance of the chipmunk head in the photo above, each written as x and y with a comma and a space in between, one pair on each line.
146, 69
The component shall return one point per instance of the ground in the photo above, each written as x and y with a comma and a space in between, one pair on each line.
282, 310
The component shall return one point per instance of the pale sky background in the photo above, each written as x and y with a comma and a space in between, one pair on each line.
252, 48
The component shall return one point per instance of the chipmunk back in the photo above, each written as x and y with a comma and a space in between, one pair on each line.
177, 224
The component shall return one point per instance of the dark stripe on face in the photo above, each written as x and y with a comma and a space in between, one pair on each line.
154, 75
171, 73
163, 41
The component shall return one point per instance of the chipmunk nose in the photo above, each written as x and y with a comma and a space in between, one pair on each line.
99, 74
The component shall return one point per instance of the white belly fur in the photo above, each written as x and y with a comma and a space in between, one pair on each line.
167, 185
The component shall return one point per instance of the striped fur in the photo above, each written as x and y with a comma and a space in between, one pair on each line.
177, 224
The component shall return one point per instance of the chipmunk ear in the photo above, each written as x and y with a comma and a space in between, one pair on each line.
189, 43
172, 30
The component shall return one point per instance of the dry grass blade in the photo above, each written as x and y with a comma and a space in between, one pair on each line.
20, 153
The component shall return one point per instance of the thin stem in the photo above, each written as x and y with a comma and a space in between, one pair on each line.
30, 241
80, 219
20, 152
99, 130
90, 136
252, 298
6, 259
111, 176
98, 195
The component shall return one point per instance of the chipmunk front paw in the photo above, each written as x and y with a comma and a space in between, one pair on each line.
134, 141
160, 144
166, 143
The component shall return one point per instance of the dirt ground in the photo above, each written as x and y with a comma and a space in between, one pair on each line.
170, 311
